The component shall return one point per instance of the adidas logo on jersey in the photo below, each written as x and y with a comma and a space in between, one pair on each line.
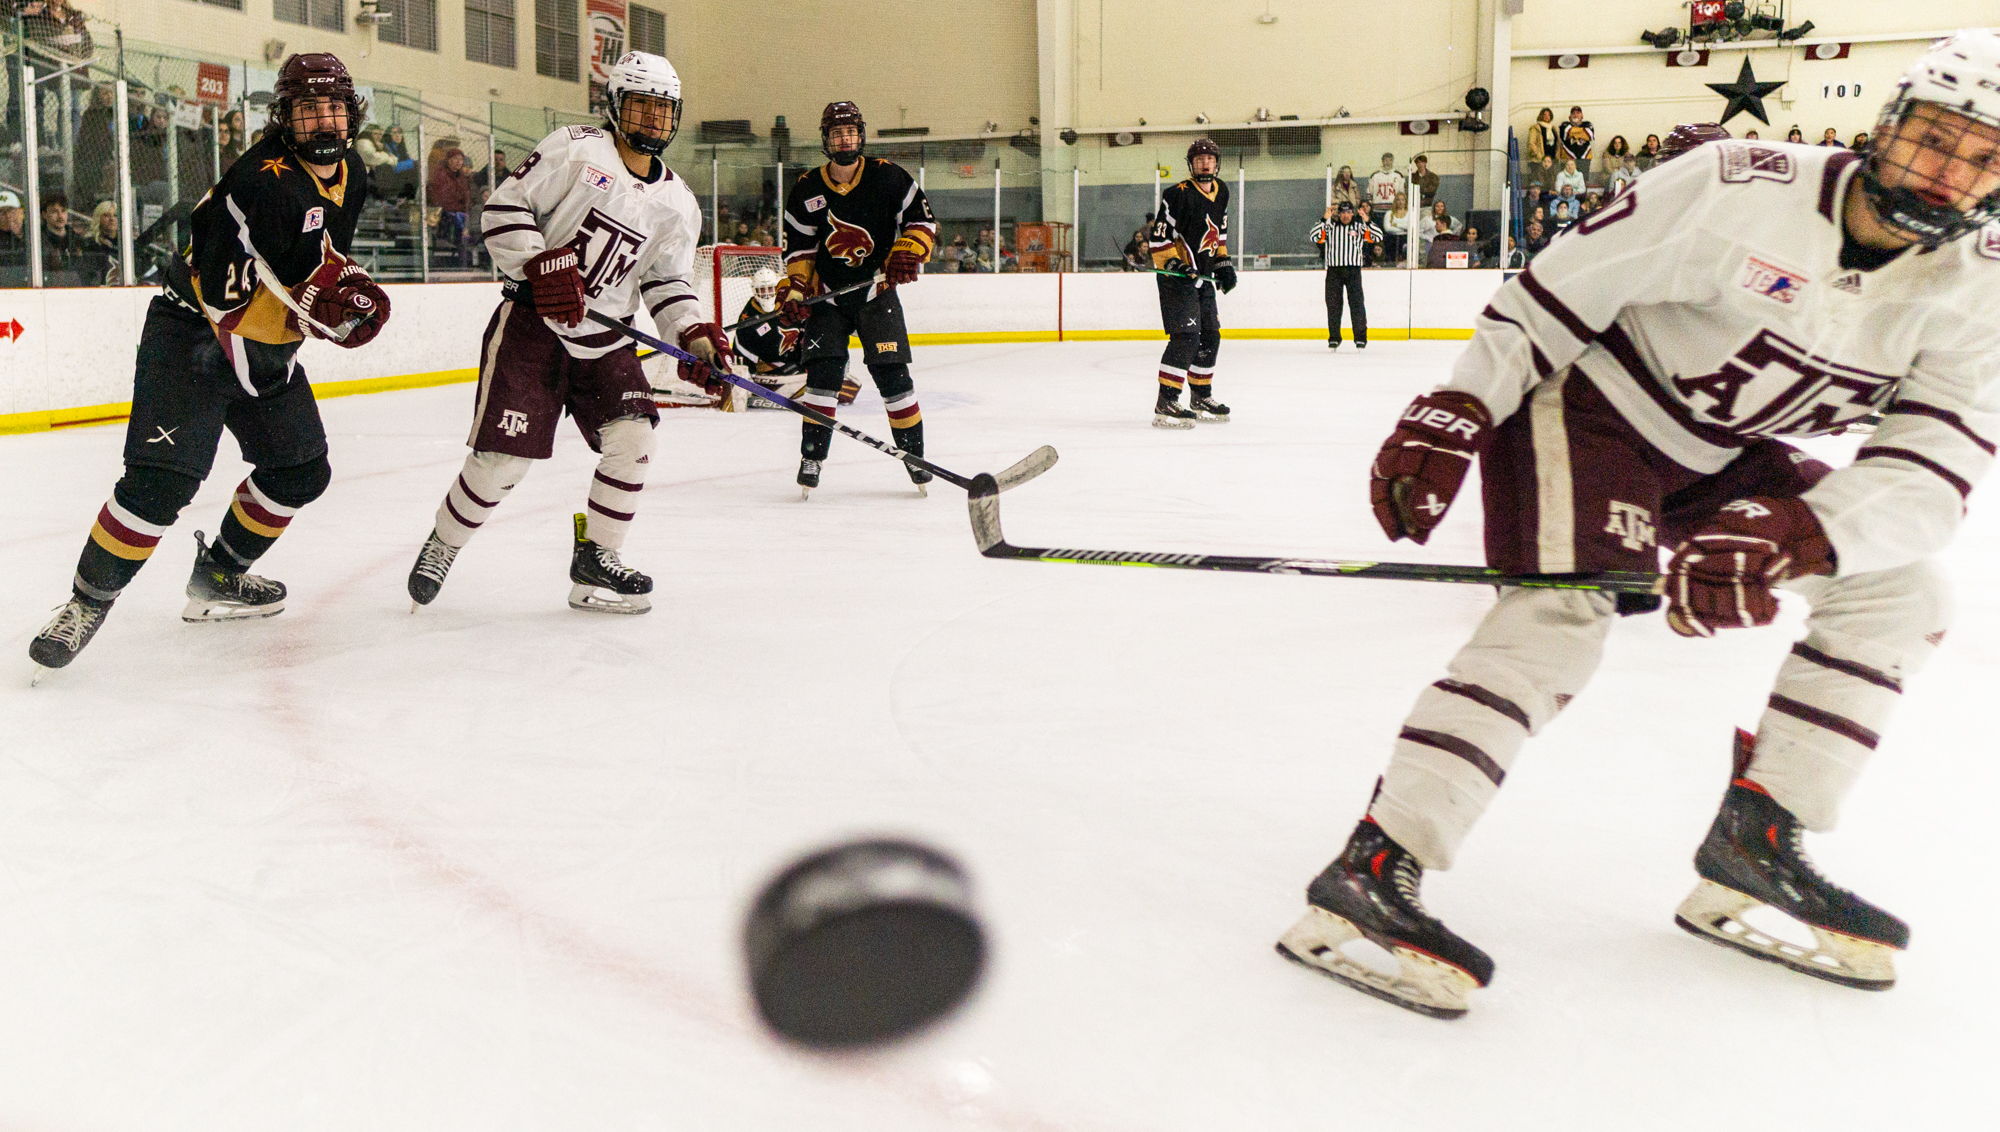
1849, 283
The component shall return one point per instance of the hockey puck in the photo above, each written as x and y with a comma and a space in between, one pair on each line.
863, 943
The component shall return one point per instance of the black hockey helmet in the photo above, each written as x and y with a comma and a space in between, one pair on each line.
1198, 147
312, 76
1687, 136
842, 114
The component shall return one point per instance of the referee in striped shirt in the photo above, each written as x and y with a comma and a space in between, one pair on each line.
1344, 241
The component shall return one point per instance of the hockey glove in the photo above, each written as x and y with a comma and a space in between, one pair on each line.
327, 297
792, 308
556, 286
904, 266
1721, 576
1225, 276
1421, 466
363, 304
705, 341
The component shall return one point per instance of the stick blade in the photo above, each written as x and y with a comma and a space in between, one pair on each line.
982, 502
1029, 466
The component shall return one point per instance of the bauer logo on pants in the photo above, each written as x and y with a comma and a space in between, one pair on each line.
513, 422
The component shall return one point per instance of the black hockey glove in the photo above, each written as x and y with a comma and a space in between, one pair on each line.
1225, 276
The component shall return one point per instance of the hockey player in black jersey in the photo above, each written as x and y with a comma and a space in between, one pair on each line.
1190, 246
266, 267
772, 351
846, 221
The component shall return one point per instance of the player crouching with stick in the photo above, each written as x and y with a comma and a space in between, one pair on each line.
1630, 387
593, 220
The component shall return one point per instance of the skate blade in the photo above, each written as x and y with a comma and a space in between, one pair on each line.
1211, 418
36, 679
199, 611
1171, 422
1423, 983
1714, 913
592, 599
805, 493
923, 491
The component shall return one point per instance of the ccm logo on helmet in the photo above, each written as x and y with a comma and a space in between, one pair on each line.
1444, 421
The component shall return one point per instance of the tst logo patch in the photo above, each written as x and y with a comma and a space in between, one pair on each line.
597, 178
1771, 281
315, 219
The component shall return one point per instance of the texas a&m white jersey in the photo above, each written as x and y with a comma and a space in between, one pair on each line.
1709, 305
634, 239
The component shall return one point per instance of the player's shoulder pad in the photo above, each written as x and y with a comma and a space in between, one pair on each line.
1986, 241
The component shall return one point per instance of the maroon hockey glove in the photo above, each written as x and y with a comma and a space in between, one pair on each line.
904, 266
1421, 466
556, 286
792, 309
705, 340
1721, 576
362, 303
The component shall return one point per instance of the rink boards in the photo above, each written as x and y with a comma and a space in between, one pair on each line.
66, 354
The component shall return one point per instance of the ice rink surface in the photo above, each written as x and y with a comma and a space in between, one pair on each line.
485, 867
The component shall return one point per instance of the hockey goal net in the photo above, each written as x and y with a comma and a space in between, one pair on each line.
722, 286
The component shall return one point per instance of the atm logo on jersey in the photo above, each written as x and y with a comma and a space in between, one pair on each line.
1771, 281
1212, 241
607, 250
849, 243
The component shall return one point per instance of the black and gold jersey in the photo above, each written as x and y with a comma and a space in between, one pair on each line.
769, 347
1192, 226
269, 201
838, 235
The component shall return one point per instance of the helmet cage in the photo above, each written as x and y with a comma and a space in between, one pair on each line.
616, 101
1903, 208
836, 115
296, 82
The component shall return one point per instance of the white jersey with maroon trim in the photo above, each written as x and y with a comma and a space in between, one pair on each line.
1709, 306
634, 239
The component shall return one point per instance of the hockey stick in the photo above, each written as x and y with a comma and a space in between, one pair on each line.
761, 319
1027, 468
983, 502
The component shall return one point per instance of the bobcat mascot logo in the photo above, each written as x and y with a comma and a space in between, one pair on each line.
1212, 241
851, 243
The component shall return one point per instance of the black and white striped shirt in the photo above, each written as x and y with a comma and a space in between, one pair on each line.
1344, 245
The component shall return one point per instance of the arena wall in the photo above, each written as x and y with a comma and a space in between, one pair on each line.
66, 354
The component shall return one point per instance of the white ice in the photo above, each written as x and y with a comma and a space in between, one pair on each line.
484, 867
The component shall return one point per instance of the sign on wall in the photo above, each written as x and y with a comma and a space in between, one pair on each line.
607, 43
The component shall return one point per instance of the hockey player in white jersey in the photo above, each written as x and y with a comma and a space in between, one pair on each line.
1627, 394
593, 220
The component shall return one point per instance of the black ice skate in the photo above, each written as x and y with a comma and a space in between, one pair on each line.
920, 477
1754, 857
220, 590
808, 477
1210, 410
1370, 892
427, 576
603, 584
1167, 413
61, 639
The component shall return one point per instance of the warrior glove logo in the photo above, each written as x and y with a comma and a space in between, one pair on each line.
1212, 241
849, 243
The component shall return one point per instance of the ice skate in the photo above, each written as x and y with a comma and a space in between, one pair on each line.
603, 584
427, 576
1369, 893
921, 477
219, 590
808, 477
1753, 858
1209, 410
62, 638
1169, 414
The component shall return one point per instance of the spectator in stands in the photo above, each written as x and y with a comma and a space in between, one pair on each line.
1860, 142
742, 234
149, 157
1626, 173
392, 143
1136, 257
1537, 240
490, 178
368, 147
1544, 174
1577, 137
1345, 187
57, 27
1795, 136
62, 244
1397, 228
1649, 153
964, 259
1443, 223
449, 190
1543, 137
1385, 185
1832, 138
1570, 178
1563, 212
1515, 258
1364, 214
1425, 181
1751, 135
1615, 152
13, 245
225, 137
99, 263
1531, 199
1470, 238
97, 145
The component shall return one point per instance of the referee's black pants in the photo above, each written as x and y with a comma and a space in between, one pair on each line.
1345, 280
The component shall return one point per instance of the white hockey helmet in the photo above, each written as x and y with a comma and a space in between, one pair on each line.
648, 75
1959, 74
764, 287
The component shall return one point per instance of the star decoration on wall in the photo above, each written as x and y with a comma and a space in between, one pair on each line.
1746, 93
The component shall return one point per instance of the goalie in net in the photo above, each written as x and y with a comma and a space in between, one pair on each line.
771, 351
735, 283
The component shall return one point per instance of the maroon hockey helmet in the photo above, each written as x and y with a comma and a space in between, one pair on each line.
1197, 148
315, 75
842, 113
1687, 136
